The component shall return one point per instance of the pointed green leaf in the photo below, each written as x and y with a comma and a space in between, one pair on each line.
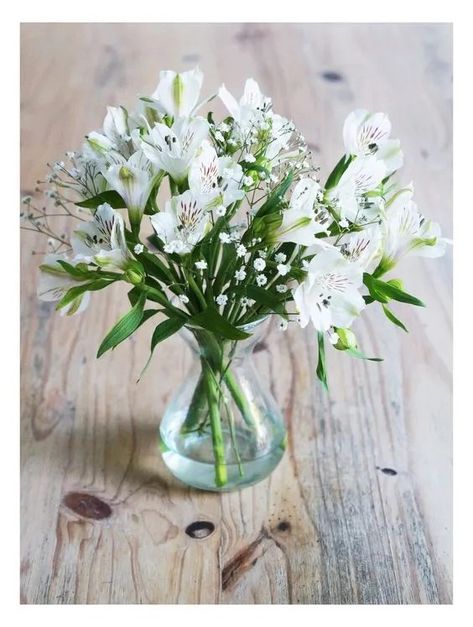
81, 271
383, 291
111, 197
338, 170
390, 316
74, 292
124, 327
375, 292
321, 365
274, 199
211, 320
354, 352
155, 267
164, 330
266, 298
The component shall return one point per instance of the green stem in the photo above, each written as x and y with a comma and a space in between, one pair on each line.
231, 423
239, 397
216, 426
196, 416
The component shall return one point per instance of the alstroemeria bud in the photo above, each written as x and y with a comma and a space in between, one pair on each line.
346, 339
134, 273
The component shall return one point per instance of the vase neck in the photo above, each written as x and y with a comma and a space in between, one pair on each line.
205, 344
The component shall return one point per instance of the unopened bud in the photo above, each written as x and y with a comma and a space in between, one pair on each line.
346, 339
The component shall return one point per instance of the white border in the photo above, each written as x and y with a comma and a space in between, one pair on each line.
243, 10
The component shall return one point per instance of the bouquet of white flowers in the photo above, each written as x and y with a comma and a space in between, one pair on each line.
247, 231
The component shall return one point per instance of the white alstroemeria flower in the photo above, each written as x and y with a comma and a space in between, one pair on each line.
182, 223
133, 180
407, 232
300, 222
173, 149
115, 138
100, 144
102, 240
231, 181
249, 110
363, 248
54, 282
215, 180
366, 133
204, 173
115, 125
177, 94
363, 175
330, 295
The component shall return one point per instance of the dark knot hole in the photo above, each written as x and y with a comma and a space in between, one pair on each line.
200, 529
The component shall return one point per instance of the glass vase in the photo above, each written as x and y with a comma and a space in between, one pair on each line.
222, 430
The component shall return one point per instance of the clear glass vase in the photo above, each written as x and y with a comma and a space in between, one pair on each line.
222, 430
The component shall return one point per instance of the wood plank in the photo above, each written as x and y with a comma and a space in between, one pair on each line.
333, 524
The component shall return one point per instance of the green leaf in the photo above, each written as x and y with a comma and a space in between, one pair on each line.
265, 226
274, 199
338, 170
149, 313
124, 327
321, 365
133, 295
155, 267
266, 298
384, 291
81, 271
375, 292
211, 320
354, 352
112, 197
390, 316
78, 290
164, 330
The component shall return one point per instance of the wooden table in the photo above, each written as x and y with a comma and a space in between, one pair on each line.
360, 510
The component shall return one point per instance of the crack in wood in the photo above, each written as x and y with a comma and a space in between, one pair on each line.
245, 559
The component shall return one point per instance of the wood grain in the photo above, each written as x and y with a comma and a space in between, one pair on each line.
359, 511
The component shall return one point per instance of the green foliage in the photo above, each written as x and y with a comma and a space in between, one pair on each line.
211, 320
75, 292
354, 352
111, 197
81, 271
124, 327
384, 291
390, 316
338, 171
321, 365
347, 342
274, 200
155, 267
270, 300
164, 330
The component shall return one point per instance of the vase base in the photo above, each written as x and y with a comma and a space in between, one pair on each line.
202, 475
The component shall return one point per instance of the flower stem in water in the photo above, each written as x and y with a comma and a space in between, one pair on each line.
216, 427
